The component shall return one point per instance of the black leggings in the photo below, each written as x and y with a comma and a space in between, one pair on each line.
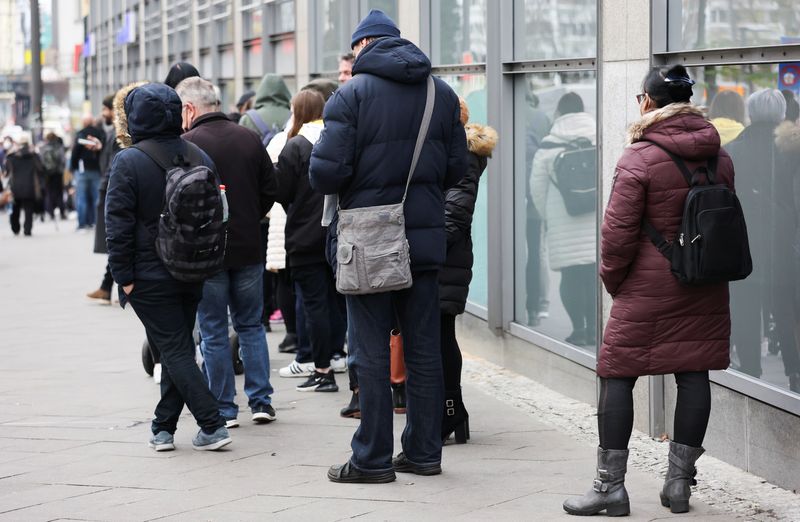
451, 354
615, 410
286, 300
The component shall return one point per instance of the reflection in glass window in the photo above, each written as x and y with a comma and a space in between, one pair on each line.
555, 234
547, 30
759, 125
458, 31
334, 26
735, 23
472, 87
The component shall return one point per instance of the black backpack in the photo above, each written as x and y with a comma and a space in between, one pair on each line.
191, 230
711, 245
576, 175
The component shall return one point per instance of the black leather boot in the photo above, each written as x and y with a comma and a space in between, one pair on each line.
608, 492
352, 410
680, 477
455, 418
399, 398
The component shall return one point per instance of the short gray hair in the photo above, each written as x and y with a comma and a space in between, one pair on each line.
198, 92
766, 106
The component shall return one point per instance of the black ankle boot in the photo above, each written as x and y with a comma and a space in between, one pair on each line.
455, 418
352, 410
399, 398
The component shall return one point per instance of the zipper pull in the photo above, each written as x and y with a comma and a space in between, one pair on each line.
680, 239
696, 238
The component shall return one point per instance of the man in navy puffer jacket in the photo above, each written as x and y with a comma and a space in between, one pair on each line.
363, 155
165, 306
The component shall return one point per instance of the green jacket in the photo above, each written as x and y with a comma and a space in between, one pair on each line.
272, 103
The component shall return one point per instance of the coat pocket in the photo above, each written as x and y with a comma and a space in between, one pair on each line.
346, 268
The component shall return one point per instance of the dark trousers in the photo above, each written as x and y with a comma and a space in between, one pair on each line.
19, 206
451, 354
371, 318
286, 300
54, 194
325, 326
578, 295
615, 410
167, 310
108, 280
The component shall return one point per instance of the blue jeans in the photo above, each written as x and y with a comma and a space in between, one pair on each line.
87, 189
242, 290
371, 317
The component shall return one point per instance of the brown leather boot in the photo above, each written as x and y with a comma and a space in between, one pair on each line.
100, 294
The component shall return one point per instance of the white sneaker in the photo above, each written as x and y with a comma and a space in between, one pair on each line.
297, 369
157, 373
339, 364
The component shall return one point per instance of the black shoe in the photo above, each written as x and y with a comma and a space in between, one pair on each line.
349, 475
352, 410
402, 465
264, 414
321, 382
577, 338
455, 418
399, 398
289, 344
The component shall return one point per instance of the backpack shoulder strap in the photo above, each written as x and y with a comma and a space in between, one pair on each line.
259, 121
163, 159
677, 161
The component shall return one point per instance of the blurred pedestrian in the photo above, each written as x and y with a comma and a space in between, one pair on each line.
54, 163
346, 67
727, 115
26, 180
270, 110
179, 72
456, 272
244, 104
166, 306
249, 179
657, 325
370, 122
85, 167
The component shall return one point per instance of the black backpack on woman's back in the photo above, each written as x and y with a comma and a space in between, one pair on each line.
711, 245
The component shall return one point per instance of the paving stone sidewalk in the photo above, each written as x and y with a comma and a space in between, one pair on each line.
75, 406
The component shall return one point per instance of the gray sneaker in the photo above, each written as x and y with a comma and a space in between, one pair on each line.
162, 441
211, 441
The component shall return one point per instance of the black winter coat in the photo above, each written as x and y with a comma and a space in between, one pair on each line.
90, 158
304, 234
371, 126
456, 273
136, 185
249, 179
26, 174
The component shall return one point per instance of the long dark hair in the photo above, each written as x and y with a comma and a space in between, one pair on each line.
307, 106
668, 85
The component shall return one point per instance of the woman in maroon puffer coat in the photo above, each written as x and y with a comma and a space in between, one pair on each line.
657, 325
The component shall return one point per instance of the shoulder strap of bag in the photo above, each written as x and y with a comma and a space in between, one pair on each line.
423, 131
259, 121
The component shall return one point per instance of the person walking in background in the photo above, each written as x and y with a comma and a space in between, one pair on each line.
25, 178
247, 174
166, 306
657, 325
244, 104
179, 72
767, 176
271, 108
54, 163
456, 272
107, 153
727, 115
84, 164
570, 238
370, 122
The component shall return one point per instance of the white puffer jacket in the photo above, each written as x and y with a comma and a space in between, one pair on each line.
276, 251
571, 240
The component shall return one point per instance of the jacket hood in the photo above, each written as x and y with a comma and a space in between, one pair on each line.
481, 139
273, 91
311, 131
787, 137
395, 59
681, 128
120, 118
571, 126
153, 110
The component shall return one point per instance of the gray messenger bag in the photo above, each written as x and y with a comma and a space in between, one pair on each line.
373, 254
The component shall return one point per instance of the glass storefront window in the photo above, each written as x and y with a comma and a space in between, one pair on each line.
555, 258
759, 130
334, 31
734, 23
546, 30
472, 87
387, 6
458, 31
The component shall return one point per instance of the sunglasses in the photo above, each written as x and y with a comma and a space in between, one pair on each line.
640, 98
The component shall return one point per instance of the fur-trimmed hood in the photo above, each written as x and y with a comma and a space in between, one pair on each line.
481, 139
637, 129
120, 118
787, 137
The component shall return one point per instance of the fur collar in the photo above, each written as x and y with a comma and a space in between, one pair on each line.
787, 137
481, 139
637, 129
120, 118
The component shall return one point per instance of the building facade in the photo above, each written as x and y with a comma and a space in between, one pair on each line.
533, 308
